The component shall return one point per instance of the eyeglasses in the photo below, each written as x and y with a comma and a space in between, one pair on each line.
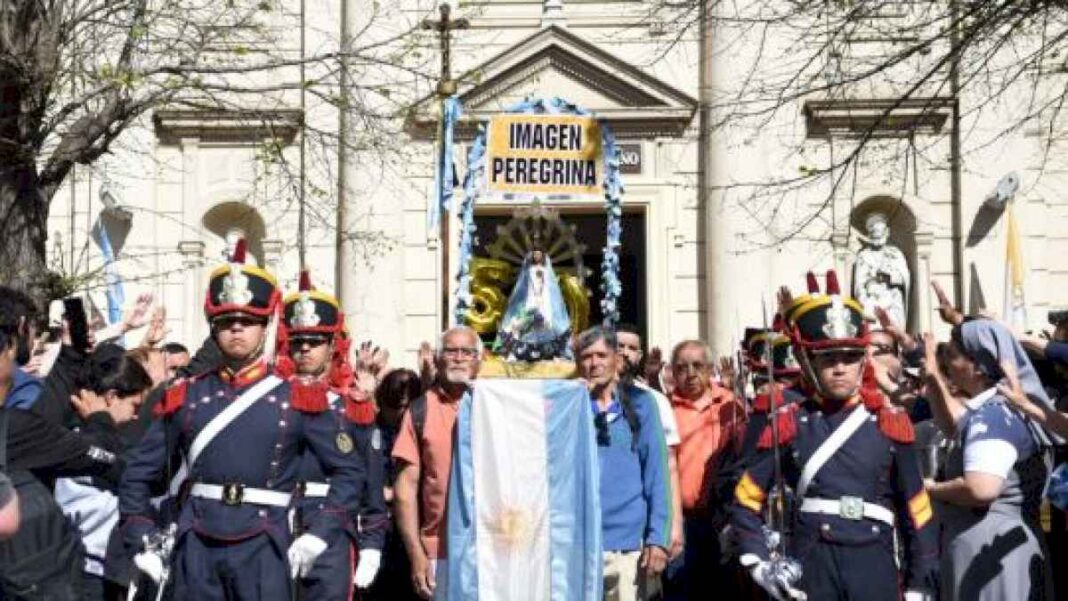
226, 322
694, 365
460, 351
883, 349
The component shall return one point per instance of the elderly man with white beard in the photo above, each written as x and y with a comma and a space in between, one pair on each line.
423, 453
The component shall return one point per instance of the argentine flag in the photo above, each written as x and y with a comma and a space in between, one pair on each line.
524, 517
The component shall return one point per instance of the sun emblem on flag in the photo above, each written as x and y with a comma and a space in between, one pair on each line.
512, 527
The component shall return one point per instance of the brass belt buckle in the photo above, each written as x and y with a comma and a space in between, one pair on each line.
233, 493
851, 508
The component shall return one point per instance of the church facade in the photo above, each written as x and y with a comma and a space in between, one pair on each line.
703, 249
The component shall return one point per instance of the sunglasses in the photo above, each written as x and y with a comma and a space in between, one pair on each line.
228, 321
310, 341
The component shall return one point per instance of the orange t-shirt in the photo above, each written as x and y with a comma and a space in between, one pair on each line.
433, 456
706, 426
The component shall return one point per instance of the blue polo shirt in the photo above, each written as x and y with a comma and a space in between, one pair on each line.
635, 483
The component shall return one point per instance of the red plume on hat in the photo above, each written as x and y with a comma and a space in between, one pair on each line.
240, 250
832, 283
305, 281
813, 285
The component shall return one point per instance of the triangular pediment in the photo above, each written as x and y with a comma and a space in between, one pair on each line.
557, 63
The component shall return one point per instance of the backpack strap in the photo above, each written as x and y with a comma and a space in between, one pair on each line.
418, 410
626, 403
3, 438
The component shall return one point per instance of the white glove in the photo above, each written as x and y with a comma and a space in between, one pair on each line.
918, 594
759, 571
303, 553
367, 568
150, 564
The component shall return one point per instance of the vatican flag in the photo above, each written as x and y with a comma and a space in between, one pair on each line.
1014, 308
524, 518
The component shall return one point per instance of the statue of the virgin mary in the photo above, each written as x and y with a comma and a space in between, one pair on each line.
536, 325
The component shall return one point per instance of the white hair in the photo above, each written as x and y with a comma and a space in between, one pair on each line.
454, 330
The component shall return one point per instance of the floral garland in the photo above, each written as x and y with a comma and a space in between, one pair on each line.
473, 181
611, 287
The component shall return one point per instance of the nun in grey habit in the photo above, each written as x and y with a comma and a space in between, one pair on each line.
992, 544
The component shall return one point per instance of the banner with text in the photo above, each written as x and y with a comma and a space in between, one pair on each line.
546, 154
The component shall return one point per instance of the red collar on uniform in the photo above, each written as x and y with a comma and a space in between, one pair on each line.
244, 376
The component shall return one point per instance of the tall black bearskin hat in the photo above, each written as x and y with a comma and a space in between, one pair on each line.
817, 322
239, 288
311, 311
755, 345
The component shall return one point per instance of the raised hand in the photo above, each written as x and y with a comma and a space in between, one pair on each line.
654, 362
904, 340
364, 354
157, 327
87, 402
930, 353
785, 298
137, 315
1012, 390
425, 360
946, 310
379, 363
727, 372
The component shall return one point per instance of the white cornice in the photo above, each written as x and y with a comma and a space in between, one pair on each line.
643, 106
227, 126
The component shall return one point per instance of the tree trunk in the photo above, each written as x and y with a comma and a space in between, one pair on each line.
23, 229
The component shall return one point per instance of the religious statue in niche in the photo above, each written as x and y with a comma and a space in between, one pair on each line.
536, 325
881, 275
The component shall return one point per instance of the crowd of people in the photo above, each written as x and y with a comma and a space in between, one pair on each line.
835, 456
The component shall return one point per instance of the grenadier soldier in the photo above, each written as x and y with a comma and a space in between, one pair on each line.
240, 432
784, 370
848, 456
786, 374
314, 349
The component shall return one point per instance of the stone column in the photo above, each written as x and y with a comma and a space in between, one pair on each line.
921, 282
194, 276
272, 256
712, 152
843, 258
190, 182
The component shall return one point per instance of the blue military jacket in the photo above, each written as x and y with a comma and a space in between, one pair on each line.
262, 448
368, 520
878, 467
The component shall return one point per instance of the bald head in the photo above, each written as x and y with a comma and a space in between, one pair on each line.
691, 366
